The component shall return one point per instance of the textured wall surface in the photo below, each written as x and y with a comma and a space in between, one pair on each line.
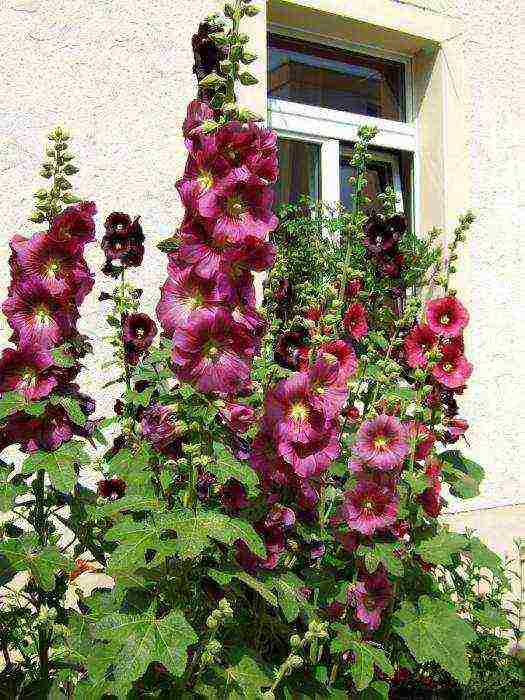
117, 73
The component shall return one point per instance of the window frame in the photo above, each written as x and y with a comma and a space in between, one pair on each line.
331, 128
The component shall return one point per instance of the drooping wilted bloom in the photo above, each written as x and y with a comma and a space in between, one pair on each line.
183, 293
453, 369
382, 442
75, 225
27, 371
112, 489
38, 317
454, 429
213, 352
138, 332
430, 499
160, 427
59, 267
418, 343
447, 316
233, 496
369, 507
355, 321
239, 417
370, 597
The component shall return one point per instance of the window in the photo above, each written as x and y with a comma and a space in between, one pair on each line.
319, 94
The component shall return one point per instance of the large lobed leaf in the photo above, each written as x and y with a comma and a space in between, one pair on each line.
59, 464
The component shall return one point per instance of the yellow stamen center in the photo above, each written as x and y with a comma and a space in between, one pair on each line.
299, 412
236, 206
205, 179
380, 442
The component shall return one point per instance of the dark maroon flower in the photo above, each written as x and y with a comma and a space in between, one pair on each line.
383, 234
233, 496
292, 348
123, 242
159, 425
138, 332
370, 597
430, 499
113, 488
418, 343
421, 437
28, 371
75, 225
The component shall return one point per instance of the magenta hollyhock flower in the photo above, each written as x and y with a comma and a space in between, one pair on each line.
454, 429
327, 393
430, 499
422, 437
204, 250
27, 371
239, 209
213, 352
233, 496
237, 141
39, 318
289, 409
447, 316
205, 167
340, 354
418, 343
197, 113
112, 489
265, 459
160, 427
57, 266
138, 332
251, 254
312, 457
369, 507
382, 442
356, 321
356, 465
453, 369
182, 294
75, 225
370, 598
238, 416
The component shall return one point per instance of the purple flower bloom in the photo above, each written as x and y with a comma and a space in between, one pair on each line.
159, 425
382, 442
370, 598
138, 331
28, 371
369, 507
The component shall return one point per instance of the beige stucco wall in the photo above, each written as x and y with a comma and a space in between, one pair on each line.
117, 73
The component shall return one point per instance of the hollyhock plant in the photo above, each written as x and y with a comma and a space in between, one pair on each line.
112, 489
205, 168
238, 416
290, 412
75, 225
355, 321
138, 332
422, 439
159, 425
28, 371
369, 507
122, 243
312, 456
370, 598
382, 442
447, 316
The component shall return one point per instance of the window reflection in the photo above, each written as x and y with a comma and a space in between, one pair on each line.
299, 166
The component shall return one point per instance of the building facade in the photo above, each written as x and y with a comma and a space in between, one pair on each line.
441, 79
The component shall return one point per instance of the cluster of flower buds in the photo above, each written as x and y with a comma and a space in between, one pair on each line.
49, 281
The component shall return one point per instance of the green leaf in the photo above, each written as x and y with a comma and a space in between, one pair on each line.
382, 553
227, 467
367, 656
134, 502
484, 558
134, 538
73, 409
247, 674
131, 466
146, 639
9, 491
224, 578
379, 690
439, 549
62, 358
195, 530
59, 464
247, 78
36, 408
417, 482
491, 617
10, 403
463, 475
291, 600
435, 632
25, 554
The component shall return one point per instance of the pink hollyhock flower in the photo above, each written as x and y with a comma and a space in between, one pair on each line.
370, 598
205, 167
289, 409
238, 416
237, 141
355, 321
453, 369
39, 318
56, 266
312, 457
430, 499
418, 343
203, 249
327, 393
340, 354
356, 465
138, 332
213, 352
265, 459
447, 316
198, 112
382, 442
239, 209
422, 437
28, 372
160, 427
182, 294
251, 254
369, 507
112, 489
75, 225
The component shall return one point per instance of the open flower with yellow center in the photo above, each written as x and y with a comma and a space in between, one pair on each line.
382, 443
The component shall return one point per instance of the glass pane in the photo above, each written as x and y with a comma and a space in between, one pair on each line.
327, 77
300, 171
379, 176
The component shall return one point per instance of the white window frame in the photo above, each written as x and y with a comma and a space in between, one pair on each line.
331, 128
